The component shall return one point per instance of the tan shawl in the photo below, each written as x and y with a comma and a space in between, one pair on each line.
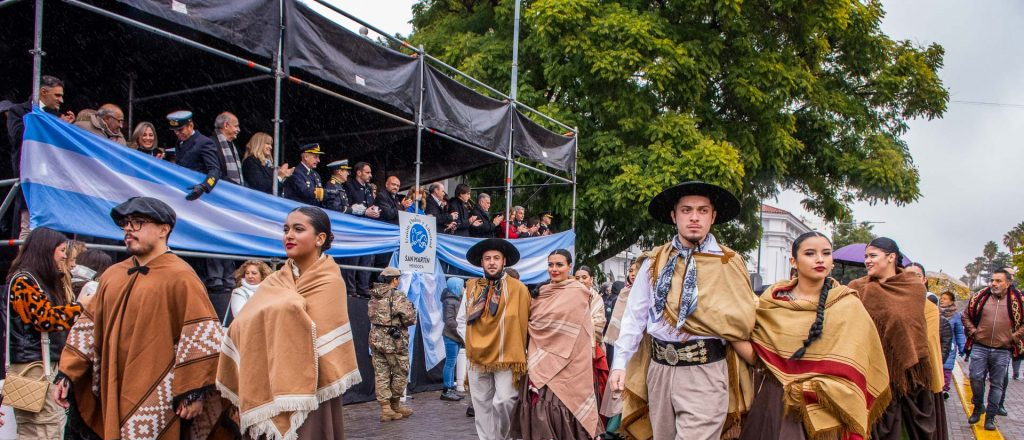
289, 350
498, 342
144, 340
561, 354
841, 384
725, 309
611, 334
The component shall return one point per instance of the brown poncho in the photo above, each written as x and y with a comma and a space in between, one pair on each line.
725, 309
561, 335
289, 350
145, 340
897, 308
498, 342
841, 385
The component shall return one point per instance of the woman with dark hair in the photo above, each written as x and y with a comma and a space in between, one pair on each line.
463, 206
293, 382
908, 326
829, 382
40, 313
552, 404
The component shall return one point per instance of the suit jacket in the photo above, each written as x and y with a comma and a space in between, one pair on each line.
200, 153
435, 209
258, 176
16, 132
486, 229
359, 194
224, 161
462, 223
389, 207
301, 186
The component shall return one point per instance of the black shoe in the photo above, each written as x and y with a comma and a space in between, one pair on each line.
945, 395
470, 412
975, 417
450, 395
990, 422
1002, 411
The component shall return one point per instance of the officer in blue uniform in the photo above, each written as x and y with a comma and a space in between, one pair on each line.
335, 197
195, 152
304, 184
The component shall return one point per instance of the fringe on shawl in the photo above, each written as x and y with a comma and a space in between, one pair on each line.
517, 368
793, 404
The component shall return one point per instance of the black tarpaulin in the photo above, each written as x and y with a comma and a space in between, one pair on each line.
461, 112
325, 49
538, 143
252, 25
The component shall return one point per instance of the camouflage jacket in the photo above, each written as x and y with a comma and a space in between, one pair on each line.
391, 314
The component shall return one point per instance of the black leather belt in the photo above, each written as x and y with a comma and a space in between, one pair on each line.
684, 354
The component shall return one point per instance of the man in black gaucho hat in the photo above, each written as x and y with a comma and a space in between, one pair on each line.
689, 300
493, 321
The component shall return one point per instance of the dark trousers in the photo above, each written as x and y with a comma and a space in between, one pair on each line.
219, 278
357, 282
991, 362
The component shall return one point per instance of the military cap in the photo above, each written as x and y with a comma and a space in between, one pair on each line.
342, 164
154, 209
311, 149
179, 119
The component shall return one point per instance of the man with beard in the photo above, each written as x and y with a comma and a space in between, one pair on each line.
140, 363
493, 320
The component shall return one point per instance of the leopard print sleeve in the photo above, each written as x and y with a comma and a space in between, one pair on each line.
33, 307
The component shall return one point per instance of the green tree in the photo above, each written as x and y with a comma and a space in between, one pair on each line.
757, 96
1014, 238
974, 270
852, 232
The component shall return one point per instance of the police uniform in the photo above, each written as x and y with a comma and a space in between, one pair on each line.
304, 184
391, 314
197, 153
335, 196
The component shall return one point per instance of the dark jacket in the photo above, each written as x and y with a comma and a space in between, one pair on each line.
16, 132
301, 185
359, 194
450, 303
335, 196
945, 336
258, 176
462, 223
221, 144
486, 229
439, 213
389, 207
26, 340
200, 153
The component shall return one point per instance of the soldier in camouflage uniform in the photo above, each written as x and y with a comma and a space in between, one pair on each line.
391, 314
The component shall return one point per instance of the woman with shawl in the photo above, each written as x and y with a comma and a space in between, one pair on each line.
820, 372
553, 403
293, 342
908, 327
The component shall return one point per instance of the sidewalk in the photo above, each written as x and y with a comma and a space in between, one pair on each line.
1010, 427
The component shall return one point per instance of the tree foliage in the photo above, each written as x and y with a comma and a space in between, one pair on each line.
852, 232
757, 96
1014, 238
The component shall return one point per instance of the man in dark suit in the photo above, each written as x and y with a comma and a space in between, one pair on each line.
487, 226
195, 152
362, 202
388, 201
227, 128
437, 206
304, 185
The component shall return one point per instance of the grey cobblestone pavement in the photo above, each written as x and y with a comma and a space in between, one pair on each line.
433, 419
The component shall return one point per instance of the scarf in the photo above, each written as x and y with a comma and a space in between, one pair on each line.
611, 334
489, 297
293, 343
897, 307
497, 341
232, 166
726, 310
841, 385
948, 311
1015, 308
247, 290
688, 301
561, 331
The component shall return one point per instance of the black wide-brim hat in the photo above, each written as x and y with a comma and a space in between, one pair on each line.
727, 206
476, 253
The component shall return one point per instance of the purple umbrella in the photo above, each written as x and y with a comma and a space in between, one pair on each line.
853, 255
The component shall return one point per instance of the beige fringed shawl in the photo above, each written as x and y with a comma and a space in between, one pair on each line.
289, 350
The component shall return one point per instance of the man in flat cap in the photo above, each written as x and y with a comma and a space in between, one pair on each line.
140, 362
493, 321
304, 184
391, 314
689, 300
335, 196
195, 152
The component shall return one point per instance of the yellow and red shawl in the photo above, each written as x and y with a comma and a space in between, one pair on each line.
841, 384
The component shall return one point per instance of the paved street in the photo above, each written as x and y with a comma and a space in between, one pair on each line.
434, 419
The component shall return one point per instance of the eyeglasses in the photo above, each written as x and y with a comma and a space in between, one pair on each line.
133, 224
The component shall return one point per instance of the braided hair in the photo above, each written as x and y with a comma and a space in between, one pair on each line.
819, 319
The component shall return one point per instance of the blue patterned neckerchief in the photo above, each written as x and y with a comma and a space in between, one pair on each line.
688, 302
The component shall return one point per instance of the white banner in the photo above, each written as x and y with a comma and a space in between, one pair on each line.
418, 248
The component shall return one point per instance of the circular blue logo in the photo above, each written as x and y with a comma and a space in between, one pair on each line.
419, 238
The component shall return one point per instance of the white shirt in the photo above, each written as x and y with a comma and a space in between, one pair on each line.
637, 318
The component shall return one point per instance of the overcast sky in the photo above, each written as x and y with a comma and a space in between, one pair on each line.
971, 161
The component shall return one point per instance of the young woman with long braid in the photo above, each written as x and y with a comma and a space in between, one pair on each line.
832, 381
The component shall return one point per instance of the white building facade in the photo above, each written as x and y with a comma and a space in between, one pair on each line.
780, 228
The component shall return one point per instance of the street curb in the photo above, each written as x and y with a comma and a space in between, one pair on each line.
963, 389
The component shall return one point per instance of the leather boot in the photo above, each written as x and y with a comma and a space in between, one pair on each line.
975, 416
990, 422
396, 406
386, 413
